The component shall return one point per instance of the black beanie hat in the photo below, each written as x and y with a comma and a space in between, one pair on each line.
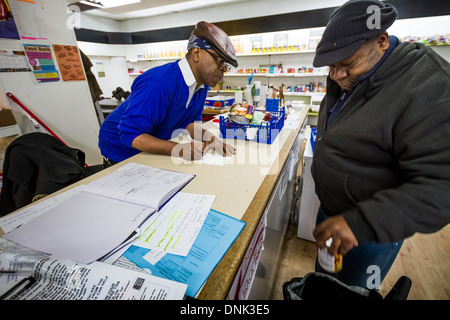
350, 26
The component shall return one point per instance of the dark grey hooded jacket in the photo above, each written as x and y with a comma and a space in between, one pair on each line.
384, 161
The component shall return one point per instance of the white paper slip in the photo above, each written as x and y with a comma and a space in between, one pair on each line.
154, 256
292, 122
213, 158
174, 228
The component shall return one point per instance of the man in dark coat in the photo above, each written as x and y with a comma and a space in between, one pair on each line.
381, 162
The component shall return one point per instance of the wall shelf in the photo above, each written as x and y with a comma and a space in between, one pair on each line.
237, 55
277, 75
273, 53
152, 59
286, 93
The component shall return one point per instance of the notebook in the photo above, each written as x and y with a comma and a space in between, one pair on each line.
91, 223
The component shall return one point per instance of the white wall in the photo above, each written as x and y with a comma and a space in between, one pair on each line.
113, 59
116, 74
66, 107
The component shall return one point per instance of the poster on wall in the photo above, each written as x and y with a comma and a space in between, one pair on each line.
40, 58
100, 69
314, 39
30, 19
13, 61
8, 29
69, 62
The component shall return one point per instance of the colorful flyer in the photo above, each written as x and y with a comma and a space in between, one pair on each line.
8, 29
40, 58
69, 62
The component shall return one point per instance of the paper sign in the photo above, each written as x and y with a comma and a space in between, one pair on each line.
69, 62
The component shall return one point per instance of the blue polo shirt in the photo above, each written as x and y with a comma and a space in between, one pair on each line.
158, 105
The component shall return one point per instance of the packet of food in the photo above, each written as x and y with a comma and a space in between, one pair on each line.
241, 113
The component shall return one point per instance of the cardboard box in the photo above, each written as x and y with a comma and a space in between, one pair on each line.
309, 202
6, 118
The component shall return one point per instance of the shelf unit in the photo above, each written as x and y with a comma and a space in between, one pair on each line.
277, 75
286, 93
237, 55
294, 59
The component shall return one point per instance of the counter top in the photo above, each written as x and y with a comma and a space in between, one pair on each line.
242, 186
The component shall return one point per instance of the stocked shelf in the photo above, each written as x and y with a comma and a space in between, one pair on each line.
275, 75
237, 55
267, 75
286, 93
273, 53
152, 59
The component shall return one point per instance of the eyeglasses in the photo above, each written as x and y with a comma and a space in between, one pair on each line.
222, 63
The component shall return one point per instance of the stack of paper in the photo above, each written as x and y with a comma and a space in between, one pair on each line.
88, 225
66, 280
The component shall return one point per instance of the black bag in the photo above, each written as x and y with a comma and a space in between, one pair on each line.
320, 286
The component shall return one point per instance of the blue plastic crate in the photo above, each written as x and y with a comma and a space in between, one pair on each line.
272, 104
266, 131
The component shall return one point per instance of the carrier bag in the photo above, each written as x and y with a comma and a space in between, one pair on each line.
320, 286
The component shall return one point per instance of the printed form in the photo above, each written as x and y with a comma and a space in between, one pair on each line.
175, 227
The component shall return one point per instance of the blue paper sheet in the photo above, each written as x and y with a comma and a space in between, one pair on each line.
215, 237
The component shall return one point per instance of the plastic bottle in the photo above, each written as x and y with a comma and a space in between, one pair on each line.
330, 263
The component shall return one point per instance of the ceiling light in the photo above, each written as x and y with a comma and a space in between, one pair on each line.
92, 3
182, 6
117, 3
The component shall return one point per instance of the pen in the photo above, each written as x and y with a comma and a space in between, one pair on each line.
21, 286
17, 272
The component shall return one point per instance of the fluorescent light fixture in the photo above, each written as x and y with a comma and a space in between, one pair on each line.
182, 6
117, 3
92, 3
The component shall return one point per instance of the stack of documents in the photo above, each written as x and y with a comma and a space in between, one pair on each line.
54, 279
216, 235
133, 218
90, 224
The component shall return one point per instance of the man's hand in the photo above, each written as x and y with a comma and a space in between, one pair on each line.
190, 151
337, 228
221, 148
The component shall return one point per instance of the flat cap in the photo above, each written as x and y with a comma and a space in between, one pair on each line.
352, 24
218, 40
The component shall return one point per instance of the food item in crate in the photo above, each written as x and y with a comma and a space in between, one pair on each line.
241, 113
260, 116
268, 116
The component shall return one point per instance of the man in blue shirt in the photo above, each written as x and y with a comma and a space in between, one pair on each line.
168, 99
